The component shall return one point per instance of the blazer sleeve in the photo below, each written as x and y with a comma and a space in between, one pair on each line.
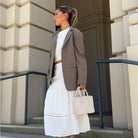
50, 53
80, 57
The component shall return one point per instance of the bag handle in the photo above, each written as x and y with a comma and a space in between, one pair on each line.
79, 90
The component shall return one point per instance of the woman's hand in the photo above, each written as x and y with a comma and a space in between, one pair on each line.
82, 87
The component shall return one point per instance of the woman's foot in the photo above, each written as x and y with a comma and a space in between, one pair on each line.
73, 136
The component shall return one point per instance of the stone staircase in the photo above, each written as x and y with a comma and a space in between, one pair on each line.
35, 129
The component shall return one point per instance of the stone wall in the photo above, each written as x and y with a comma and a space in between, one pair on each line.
124, 31
26, 30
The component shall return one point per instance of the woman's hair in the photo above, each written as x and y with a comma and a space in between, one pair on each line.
72, 13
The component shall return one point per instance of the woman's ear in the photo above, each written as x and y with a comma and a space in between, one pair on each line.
66, 15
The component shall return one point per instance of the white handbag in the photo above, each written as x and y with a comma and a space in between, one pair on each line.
82, 104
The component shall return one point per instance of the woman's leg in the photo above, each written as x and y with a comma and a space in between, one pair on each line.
73, 136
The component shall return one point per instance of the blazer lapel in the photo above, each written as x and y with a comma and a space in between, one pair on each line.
67, 36
65, 40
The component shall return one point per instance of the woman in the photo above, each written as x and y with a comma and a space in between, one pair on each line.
67, 71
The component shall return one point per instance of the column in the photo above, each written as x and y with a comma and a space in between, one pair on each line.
132, 52
26, 30
120, 10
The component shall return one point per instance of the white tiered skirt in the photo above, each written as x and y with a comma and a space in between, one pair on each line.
59, 119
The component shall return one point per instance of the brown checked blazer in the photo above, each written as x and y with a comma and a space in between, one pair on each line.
74, 63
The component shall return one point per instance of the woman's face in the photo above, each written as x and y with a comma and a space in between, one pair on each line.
58, 18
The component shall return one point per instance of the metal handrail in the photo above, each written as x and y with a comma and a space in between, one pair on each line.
99, 81
26, 90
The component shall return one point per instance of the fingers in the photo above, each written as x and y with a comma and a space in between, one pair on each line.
82, 87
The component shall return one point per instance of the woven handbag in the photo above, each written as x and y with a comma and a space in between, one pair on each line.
82, 104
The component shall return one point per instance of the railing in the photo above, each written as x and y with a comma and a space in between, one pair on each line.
99, 81
26, 90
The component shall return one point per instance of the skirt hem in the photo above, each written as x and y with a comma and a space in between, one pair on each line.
65, 135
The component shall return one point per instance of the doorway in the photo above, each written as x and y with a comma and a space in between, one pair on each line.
94, 22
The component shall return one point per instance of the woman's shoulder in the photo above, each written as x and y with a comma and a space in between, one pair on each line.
77, 32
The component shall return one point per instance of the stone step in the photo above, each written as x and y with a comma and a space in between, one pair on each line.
94, 121
38, 130
19, 135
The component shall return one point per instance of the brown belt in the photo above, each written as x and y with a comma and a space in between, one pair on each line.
57, 62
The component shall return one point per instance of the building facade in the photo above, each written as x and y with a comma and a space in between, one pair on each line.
110, 29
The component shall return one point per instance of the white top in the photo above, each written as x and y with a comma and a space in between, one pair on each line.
60, 40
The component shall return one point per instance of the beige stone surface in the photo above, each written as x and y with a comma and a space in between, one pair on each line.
40, 38
42, 18
8, 60
133, 18
2, 36
126, 34
10, 15
118, 95
47, 4
6, 93
42, 57
117, 37
129, 4
19, 102
23, 59
1, 61
24, 35
127, 93
38, 34
132, 52
21, 1
3, 15
7, 2
24, 14
9, 37
133, 30
116, 10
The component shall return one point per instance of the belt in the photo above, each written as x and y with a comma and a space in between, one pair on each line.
57, 62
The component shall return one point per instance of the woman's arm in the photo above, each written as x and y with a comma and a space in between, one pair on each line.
80, 58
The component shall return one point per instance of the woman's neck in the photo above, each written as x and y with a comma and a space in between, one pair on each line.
64, 25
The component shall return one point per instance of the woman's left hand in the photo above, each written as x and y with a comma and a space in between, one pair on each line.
82, 87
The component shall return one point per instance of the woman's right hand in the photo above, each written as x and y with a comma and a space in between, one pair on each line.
82, 87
